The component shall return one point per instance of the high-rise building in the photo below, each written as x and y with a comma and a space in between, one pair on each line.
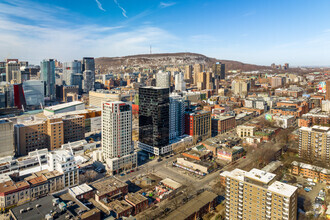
48, 76
327, 94
188, 73
208, 82
198, 68
180, 84
277, 81
117, 145
240, 87
34, 92
6, 138
88, 70
163, 79
177, 111
13, 72
70, 69
219, 70
314, 143
154, 120
257, 195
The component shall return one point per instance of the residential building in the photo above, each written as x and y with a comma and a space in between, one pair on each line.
6, 138
188, 73
73, 128
230, 154
117, 145
198, 125
240, 87
277, 81
34, 93
154, 120
310, 119
13, 73
314, 143
96, 98
290, 107
222, 124
163, 79
245, 131
138, 201
284, 121
326, 106
106, 188
180, 84
257, 195
177, 111
198, 68
47, 75
316, 173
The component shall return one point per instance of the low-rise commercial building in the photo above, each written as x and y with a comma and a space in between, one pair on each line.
245, 131
230, 154
97, 97
138, 201
222, 124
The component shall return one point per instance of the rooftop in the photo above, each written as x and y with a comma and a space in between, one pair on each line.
282, 188
171, 183
65, 105
261, 176
80, 190
135, 198
237, 174
105, 186
119, 206
192, 206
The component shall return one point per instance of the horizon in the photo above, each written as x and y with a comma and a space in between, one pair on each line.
253, 32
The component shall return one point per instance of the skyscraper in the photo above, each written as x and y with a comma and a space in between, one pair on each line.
219, 70
177, 116
198, 68
163, 79
34, 92
88, 70
48, 76
154, 120
188, 73
180, 84
69, 70
117, 145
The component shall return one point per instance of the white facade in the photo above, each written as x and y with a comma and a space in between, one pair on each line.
117, 145
64, 162
34, 92
155, 150
326, 106
163, 79
180, 84
284, 121
177, 110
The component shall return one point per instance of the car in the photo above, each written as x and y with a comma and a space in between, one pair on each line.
122, 174
311, 183
159, 159
167, 157
244, 157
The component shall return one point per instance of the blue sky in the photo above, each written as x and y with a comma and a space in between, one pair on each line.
251, 31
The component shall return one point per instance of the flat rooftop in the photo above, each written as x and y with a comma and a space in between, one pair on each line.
119, 206
282, 188
81, 189
171, 183
135, 198
65, 105
237, 174
260, 176
104, 186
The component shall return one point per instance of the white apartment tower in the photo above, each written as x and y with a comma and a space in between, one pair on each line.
117, 145
180, 84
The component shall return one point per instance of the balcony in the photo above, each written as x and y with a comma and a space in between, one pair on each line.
240, 204
240, 196
268, 203
240, 184
240, 188
268, 216
240, 192
239, 200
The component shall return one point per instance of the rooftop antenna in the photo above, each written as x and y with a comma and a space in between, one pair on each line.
150, 49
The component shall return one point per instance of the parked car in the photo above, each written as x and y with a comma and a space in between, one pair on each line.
311, 183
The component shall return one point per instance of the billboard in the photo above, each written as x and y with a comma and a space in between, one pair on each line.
269, 117
321, 87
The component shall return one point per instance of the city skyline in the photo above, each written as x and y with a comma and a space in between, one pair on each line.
255, 32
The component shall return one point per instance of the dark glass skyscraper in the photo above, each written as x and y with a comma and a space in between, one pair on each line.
219, 70
154, 116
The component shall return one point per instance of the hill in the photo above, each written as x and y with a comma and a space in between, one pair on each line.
146, 61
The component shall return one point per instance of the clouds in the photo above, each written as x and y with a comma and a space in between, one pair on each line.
123, 10
99, 5
41, 38
165, 5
